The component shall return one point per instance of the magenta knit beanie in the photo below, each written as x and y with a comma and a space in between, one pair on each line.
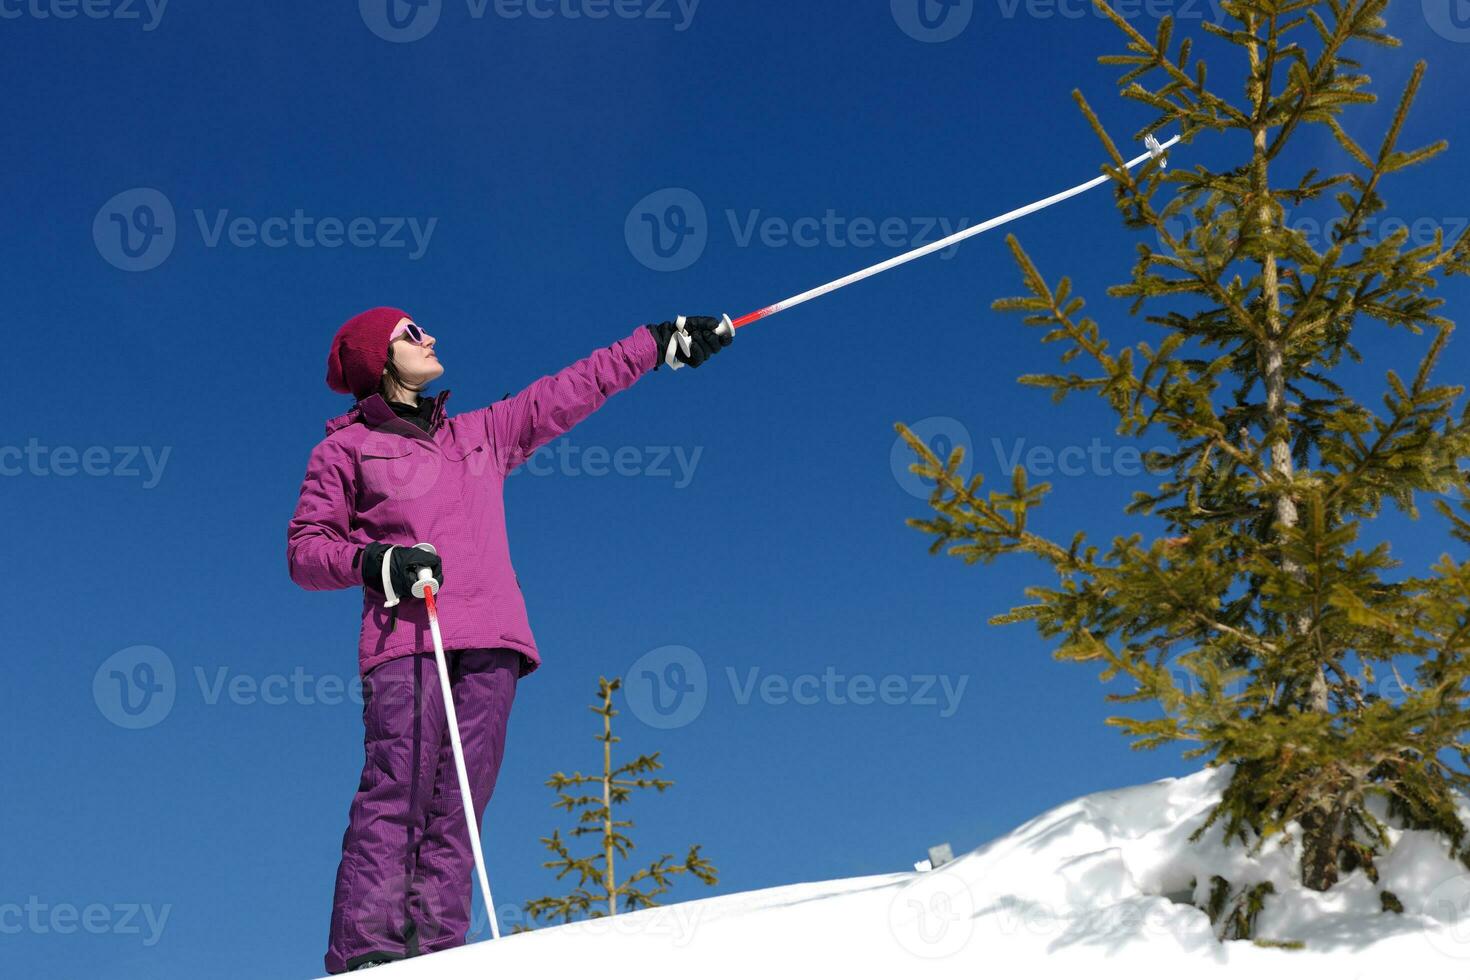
360, 351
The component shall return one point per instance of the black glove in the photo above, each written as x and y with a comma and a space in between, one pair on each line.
403, 569
704, 342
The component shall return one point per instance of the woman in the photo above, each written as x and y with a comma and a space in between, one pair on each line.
391, 473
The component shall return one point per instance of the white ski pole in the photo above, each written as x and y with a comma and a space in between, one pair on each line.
728, 327
424, 589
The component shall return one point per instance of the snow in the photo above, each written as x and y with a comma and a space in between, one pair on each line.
1087, 888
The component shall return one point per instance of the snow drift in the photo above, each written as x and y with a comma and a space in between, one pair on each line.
1098, 886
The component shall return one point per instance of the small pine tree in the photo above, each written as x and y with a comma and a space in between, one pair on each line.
599, 868
1258, 587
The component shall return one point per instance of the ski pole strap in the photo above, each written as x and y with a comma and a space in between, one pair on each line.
679, 340
1155, 149
388, 580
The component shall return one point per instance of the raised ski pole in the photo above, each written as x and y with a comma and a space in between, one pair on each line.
728, 328
424, 589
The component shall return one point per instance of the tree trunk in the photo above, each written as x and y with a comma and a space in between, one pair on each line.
1321, 846
1321, 827
1274, 366
607, 823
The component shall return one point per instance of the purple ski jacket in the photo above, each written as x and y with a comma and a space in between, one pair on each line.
376, 477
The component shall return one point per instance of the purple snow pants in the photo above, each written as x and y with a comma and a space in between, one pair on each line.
407, 872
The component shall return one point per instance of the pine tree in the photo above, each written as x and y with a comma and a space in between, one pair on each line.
1260, 620
642, 888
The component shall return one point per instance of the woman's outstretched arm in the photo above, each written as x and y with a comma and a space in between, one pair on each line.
551, 406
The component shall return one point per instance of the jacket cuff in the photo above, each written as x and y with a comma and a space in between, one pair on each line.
643, 347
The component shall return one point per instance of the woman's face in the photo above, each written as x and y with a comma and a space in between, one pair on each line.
417, 363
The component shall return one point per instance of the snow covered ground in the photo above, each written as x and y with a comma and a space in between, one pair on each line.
1082, 890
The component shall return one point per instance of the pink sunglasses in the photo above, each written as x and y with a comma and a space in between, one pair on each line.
411, 331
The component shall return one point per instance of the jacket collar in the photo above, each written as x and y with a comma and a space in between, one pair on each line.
374, 412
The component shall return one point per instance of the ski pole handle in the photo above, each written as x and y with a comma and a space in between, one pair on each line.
426, 577
685, 339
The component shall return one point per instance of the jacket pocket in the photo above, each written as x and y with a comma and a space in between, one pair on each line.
398, 472
473, 458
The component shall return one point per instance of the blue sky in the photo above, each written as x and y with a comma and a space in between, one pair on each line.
492, 177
